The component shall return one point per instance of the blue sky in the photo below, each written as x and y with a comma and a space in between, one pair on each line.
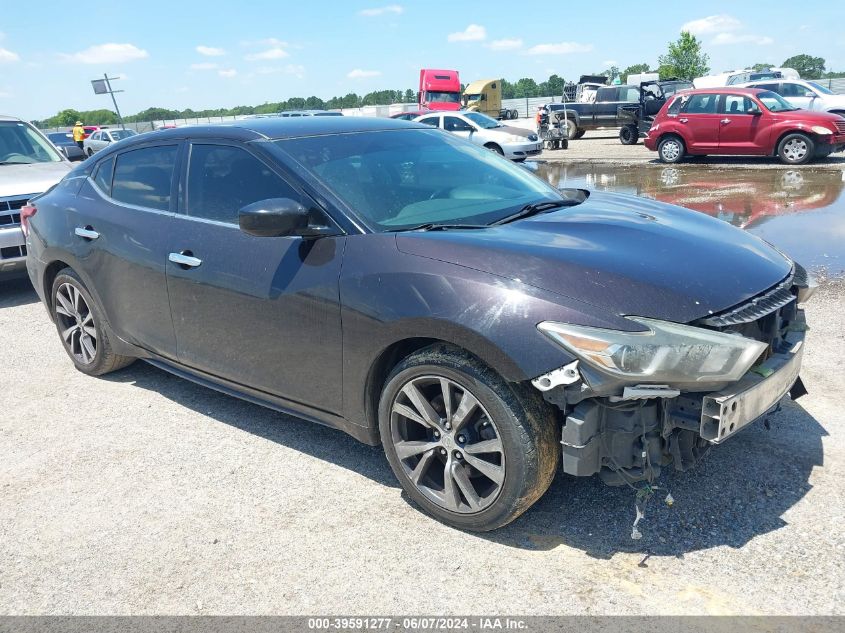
184, 54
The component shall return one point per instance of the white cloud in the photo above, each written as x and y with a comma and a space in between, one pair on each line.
204, 66
7, 56
277, 52
472, 33
107, 54
733, 38
562, 48
609, 62
712, 24
228, 72
506, 44
210, 51
363, 74
395, 9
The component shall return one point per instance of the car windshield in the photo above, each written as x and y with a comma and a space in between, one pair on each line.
820, 88
482, 120
774, 102
20, 144
400, 179
472, 98
119, 134
444, 97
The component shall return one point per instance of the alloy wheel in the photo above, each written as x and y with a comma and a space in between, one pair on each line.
795, 149
671, 150
76, 323
447, 443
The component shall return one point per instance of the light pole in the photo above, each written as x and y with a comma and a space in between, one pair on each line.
102, 87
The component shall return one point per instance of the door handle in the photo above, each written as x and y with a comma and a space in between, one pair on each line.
683, 120
185, 259
86, 233
725, 121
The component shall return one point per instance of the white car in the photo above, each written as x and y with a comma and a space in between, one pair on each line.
29, 165
511, 142
807, 95
102, 138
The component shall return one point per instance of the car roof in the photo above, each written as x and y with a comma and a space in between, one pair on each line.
721, 89
277, 128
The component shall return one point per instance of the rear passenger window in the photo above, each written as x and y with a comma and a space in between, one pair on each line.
102, 176
142, 177
223, 179
433, 121
701, 104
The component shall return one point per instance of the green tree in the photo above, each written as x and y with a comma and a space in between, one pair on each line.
526, 87
410, 96
808, 67
635, 69
64, 118
684, 59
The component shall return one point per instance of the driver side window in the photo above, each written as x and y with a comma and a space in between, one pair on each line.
454, 124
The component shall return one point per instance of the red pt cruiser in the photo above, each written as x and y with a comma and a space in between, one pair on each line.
742, 121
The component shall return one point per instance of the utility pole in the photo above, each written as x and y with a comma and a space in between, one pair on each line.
103, 86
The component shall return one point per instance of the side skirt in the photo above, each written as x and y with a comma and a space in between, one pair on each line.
269, 401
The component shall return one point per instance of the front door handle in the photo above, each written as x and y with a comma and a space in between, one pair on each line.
185, 259
683, 120
725, 121
86, 232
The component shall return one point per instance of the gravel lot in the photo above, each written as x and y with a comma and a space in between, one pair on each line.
144, 494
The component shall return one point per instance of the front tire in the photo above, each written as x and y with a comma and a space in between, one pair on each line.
90, 152
495, 148
467, 448
82, 327
796, 149
671, 149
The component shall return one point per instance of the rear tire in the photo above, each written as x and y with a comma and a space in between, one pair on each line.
671, 149
796, 149
82, 327
474, 467
629, 135
572, 131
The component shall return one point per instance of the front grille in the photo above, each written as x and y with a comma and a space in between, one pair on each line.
9, 210
12, 252
840, 127
767, 317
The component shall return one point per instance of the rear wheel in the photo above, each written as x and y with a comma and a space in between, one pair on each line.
796, 149
465, 447
495, 148
572, 131
671, 149
82, 327
629, 135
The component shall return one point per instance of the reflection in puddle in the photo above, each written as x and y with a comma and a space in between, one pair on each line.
800, 211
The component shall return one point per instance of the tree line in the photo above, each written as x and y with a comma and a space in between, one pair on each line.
684, 59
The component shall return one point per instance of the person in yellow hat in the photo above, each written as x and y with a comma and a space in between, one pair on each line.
78, 133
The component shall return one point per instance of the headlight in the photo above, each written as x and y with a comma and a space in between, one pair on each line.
667, 353
819, 129
513, 138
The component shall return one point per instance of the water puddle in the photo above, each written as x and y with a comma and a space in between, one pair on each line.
800, 211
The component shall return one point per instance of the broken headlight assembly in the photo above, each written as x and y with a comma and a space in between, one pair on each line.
664, 353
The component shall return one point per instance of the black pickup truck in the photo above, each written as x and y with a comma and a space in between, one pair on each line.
624, 106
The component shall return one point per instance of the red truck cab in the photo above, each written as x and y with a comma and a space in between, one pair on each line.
439, 89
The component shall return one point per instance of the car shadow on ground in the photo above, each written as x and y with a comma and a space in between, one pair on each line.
740, 490
16, 292
752, 161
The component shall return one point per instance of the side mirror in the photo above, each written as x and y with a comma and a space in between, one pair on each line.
810, 94
279, 217
754, 111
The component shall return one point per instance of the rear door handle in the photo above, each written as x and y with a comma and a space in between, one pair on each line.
725, 121
185, 259
86, 232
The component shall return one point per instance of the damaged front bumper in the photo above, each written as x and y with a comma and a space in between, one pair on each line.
629, 437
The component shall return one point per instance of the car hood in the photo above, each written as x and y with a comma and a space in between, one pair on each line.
623, 254
20, 180
513, 131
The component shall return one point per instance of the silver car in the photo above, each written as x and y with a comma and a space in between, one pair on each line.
102, 138
29, 165
511, 142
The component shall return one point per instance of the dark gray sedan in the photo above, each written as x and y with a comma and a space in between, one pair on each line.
64, 141
420, 292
